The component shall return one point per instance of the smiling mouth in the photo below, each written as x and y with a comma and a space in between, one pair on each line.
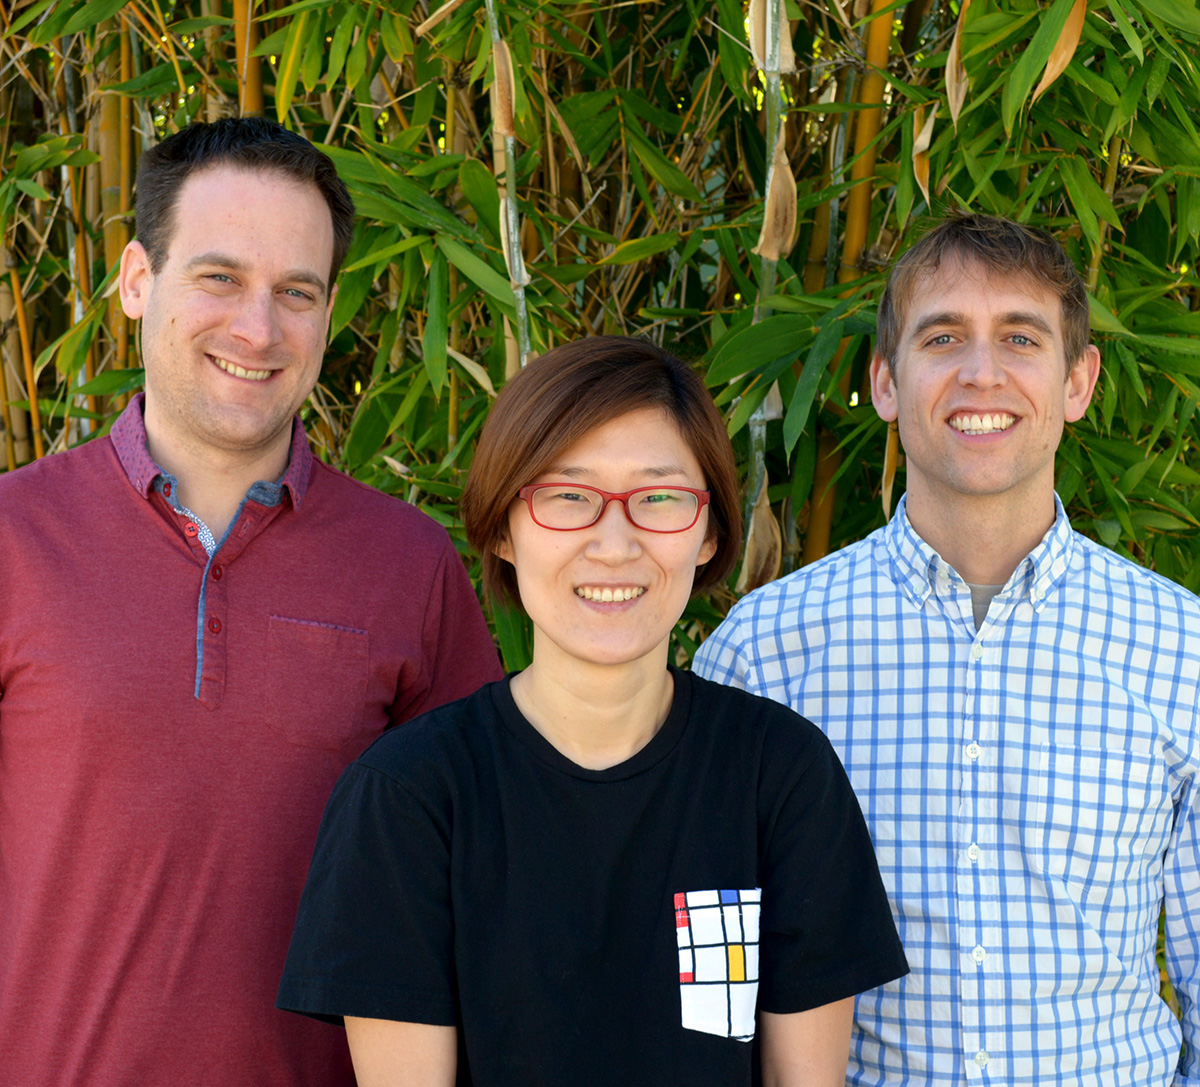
238, 371
608, 595
988, 423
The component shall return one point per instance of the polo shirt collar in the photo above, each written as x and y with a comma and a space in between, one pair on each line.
917, 568
128, 436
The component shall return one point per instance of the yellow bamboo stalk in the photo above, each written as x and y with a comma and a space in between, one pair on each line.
35, 415
112, 209
212, 51
858, 217
10, 444
1115, 147
249, 67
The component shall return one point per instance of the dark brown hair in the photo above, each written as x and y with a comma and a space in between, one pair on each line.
1000, 247
562, 396
248, 143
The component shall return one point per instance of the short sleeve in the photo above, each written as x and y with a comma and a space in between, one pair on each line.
827, 930
459, 654
374, 934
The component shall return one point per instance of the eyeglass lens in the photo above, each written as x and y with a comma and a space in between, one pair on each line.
660, 509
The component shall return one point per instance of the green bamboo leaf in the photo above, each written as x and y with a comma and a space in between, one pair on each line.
637, 249
339, 47
659, 167
380, 256
1159, 67
201, 22
1032, 61
1072, 172
112, 383
31, 188
435, 338
314, 56
356, 62
753, 347
514, 636
1126, 28
478, 271
1103, 319
152, 83
289, 65
1175, 13
478, 185
27, 16
91, 13
815, 366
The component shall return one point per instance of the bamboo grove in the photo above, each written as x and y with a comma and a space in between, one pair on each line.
729, 181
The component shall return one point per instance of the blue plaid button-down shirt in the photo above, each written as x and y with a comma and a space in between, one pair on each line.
1029, 788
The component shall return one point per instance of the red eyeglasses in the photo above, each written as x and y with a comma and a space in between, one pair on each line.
566, 507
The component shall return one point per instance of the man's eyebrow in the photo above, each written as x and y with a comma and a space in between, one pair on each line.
1023, 317
931, 320
218, 259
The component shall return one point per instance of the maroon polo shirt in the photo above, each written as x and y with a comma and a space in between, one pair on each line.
171, 724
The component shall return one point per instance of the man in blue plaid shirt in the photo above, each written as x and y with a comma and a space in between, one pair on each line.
1018, 708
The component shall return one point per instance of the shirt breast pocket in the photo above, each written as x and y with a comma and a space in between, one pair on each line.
1105, 815
316, 681
717, 934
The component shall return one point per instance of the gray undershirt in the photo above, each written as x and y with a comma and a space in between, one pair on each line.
981, 597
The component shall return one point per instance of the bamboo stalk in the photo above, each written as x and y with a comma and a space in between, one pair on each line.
1115, 147
249, 67
858, 217
10, 444
35, 415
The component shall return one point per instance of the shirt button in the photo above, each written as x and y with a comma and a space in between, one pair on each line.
977, 651
981, 1058
979, 954
167, 489
191, 528
973, 852
973, 750
214, 625
217, 571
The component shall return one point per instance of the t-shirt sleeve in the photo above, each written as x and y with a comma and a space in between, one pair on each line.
826, 927
459, 654
374, 934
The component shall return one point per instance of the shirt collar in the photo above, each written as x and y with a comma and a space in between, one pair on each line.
128, 437
917, 568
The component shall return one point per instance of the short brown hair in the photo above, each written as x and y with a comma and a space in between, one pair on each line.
255, 144
1001, 247
562, 396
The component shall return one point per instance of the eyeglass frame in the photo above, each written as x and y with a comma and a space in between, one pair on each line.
526, 493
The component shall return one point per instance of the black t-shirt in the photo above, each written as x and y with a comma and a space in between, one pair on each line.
593, 927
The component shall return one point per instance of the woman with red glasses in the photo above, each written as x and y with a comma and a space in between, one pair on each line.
601, 870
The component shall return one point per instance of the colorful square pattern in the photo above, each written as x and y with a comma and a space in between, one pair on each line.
717, 933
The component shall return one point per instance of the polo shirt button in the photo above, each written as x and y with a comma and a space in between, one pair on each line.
214, 625
981, 1058
167, 489
217, 571
191, 529
974, 750
979, 954
973, 852
977, 651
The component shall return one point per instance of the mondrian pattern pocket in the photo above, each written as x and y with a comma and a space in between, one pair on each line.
717, 933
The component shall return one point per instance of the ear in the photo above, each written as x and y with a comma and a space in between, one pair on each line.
503, 550
883, 389
707, 550
1081, 383
133, 280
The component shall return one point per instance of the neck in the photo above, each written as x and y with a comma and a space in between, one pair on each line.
212, 483
596, 715
984, 540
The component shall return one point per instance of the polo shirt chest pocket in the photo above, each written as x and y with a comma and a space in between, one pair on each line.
1105, 814
315, 681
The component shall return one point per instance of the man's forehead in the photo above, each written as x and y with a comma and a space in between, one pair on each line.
958, 286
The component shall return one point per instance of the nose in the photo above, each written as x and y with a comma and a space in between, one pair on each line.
256, 322
981, 366
614, 536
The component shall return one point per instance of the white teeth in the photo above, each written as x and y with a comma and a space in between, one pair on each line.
987, 423
608, 595
238, 371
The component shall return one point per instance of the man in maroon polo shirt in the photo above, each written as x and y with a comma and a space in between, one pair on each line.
200, 626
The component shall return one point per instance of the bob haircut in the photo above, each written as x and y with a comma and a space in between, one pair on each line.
562, 396
1001, 248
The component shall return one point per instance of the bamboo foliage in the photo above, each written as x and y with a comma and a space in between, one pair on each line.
528, 173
